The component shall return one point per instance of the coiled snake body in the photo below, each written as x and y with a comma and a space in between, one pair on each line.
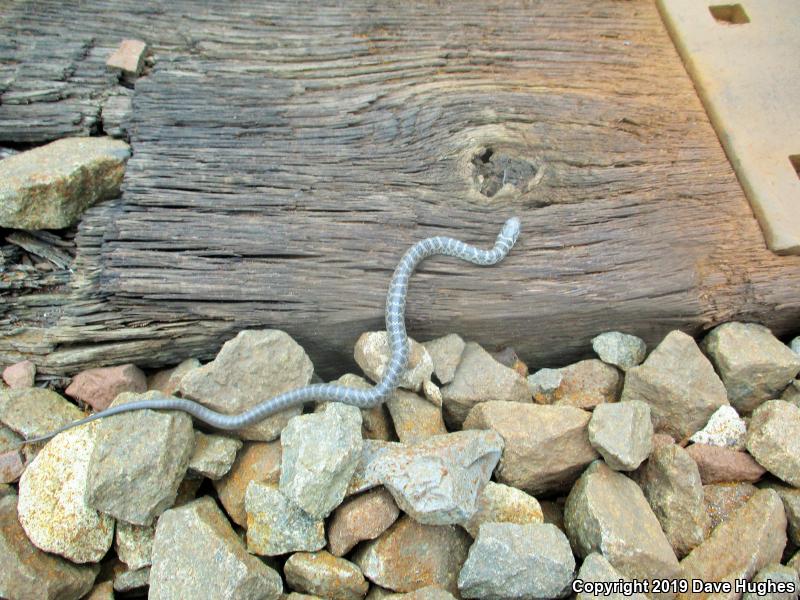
327, 392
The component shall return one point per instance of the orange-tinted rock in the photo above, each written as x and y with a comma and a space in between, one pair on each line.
361, 518
718, 464
20, 375
723, 499
99, 387
324, 575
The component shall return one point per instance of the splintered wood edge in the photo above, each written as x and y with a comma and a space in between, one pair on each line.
743, 59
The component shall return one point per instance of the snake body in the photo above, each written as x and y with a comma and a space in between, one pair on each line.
327, 392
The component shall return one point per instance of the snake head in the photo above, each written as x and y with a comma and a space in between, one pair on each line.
511, 229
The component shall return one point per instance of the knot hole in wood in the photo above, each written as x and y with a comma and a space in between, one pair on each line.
495, 171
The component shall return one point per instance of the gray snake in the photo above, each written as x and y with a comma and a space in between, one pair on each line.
328, 392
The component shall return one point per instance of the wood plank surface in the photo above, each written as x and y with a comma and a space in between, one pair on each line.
286, 154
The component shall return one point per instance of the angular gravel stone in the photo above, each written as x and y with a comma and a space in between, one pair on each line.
606, 512
102, 591
622, 433
168, 382
446, 354
754, 365
503, 504
213, 455
409, 556
320, 455
134, 544
792, 393
679, 384
325, 575
277, 526
12, 465
509, 560
196, 554
128, 580
718, 465
50, 186
479, 378
415, 419
723, 499
546, 447
32, 412
99, 387
372, 354
791, 505
725, 428
770, 576
116, 113
20, 375
588, 383
428, 593
376, 424
363, 517
774, 439
619, 349
596, 569
253, 366
257, 461
671, 483
433, 394
543, 385
147, 451
52, 509
128, 57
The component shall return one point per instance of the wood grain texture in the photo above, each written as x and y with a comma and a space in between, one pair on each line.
286, 155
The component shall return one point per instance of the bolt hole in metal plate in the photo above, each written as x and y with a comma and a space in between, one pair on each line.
744, 59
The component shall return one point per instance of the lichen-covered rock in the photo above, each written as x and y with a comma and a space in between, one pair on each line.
360, 518
134, 544
414, 418
213, 455
320, 454
596, 569
99, 387
145, 450
587, 383
725, 428
723, 499
27, 573
253, 366
754, 365
196, 554
275, 525
774, 439
774, 576
619, 349
446, 354
49, 187
679, 384
622, 433
718, 464
33, 412
543, 385
20, 375
52, 508
500, 503
168, 381
546, 447
372, 354
509, 560
327, 576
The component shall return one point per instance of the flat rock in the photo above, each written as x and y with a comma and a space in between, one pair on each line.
619, 349
99, 387
409, 556
372, 354
753, 537
718, 464
500, 503
134, 544
546, 447
543, 385
213, 455
596, 569
509, 560
27, 573
445, 352
360, 518
324, 575
49, 187
320, 455
257, 461
196, 554
791, 506
52, 508
679, 384
588, 383
671, 483
20, 375
630, 538
250, 368
376, 424
275, 525
33, 412
147, 451
414, 418
723, 499
622, 433
771, 576
773, 439
168, 381
725, 428
754, 365
480, 378
116, 113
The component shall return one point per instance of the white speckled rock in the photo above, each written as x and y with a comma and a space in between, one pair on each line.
372, 354
622, 433
213, 455
52, 509
619, 349
134, 544
725, 428
773, 439
446, 354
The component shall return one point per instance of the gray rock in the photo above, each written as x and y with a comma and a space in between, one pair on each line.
606, 512
414, 418
132, 579
196, 554
509, 560
428, 593
773, 439
622, 433
596, 569
320, 454
33, 412
770, 577
588, 383
671, 483
619, 349
52, 508
543, 385
546, 447
794, 562
8, 439
679, 384
754, 365
253, 366
479, 378
147, 451
276, 526
27, 573
363, 517
795, 345
134, 544
791, 505
500, 503
168, 382
49, 187
213, 455
325, 575
792, 393
725, 428
446, 354
116, 114
372, 354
